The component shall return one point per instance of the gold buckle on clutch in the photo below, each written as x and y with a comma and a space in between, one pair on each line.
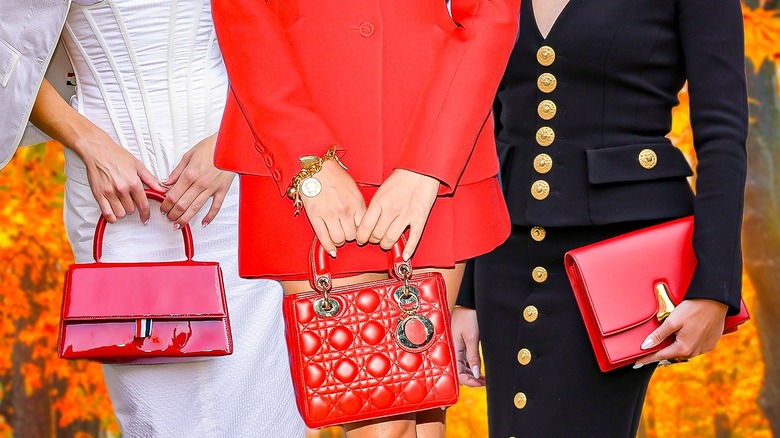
665, 305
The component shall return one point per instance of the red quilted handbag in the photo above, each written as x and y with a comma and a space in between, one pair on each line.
627, 285
154, 312
370, 350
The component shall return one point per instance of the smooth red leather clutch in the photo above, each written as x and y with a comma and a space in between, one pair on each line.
155, 312
370, 350
627, 285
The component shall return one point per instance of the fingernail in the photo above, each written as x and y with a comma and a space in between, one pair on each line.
176, 226
647, 344
638, 365
163, 181
146, 222
332, 253
163, 213
204, 224
664, 363
475, 371
407, 256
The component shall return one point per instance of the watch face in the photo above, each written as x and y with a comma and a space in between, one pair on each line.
311, 187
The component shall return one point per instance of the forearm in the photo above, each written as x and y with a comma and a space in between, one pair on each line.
52, 115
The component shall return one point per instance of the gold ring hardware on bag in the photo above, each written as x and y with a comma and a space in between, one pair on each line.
665, 305
326, 306
414, 333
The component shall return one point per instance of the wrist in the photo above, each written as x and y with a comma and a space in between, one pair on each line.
305, 182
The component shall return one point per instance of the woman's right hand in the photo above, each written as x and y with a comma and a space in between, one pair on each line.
115, 176
332, 212
465, 335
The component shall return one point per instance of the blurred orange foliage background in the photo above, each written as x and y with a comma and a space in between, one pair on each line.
712, 396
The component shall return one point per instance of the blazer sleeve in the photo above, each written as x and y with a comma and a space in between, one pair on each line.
456, 100
280, 113
712, 38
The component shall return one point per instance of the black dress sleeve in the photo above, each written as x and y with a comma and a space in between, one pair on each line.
712, 39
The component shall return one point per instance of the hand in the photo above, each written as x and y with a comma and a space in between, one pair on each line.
194, 180
697, 325
465, 334
115, 177
403, 201
334, 211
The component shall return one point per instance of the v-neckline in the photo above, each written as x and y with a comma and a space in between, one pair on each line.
555, 23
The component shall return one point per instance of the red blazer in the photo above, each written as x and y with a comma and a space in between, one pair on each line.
396, 83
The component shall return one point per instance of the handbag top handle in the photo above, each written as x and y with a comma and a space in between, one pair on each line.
97, 244
319, 266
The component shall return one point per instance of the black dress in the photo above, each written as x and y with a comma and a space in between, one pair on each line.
583, 119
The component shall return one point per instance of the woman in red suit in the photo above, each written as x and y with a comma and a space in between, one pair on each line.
403, 91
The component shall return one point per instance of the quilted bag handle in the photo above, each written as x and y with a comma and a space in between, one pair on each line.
320, 277
97, 245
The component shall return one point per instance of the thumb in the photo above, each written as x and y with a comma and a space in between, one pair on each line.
148, 179
472, 357
667, 328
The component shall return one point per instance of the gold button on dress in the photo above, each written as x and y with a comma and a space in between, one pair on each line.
543, 163
539, 274
520, 400
648, 159
545, 55
540, 190
545, 136
547, 82
524, 356
547, 109
530, 313
538, 233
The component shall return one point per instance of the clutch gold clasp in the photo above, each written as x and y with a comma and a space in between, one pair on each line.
665, 305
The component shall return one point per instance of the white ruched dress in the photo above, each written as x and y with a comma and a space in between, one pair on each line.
150, 74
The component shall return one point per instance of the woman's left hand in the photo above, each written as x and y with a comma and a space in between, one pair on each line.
194, 180
697, 325
403, 201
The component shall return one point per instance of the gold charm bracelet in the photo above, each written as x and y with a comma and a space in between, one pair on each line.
305, 182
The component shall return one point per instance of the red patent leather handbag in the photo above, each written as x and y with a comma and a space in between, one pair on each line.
627, 285
146, 312
370, 350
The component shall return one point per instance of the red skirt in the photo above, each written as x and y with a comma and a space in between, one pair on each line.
274, 244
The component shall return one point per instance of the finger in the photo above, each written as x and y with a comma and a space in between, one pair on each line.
193, 209
667, 328
318, 225
185, 205
380, 229
216, 205
173, 178
415, 233
106, 209
368, 222
174, 195
673, 351
335, 231
147, 178
350, 230
116, 207
393, 233
141, 201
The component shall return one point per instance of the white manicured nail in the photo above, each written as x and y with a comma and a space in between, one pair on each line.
407, 256
647, 344
332, 253
475, 371
638, 365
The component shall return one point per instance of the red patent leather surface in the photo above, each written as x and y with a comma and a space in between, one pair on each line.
349, 367
614, 284
185, 301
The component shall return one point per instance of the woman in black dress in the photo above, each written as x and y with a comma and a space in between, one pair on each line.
584, 111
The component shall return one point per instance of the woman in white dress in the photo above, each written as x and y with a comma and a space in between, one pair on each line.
150, 95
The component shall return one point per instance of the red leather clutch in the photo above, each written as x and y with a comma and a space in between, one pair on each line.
154, 312
370, 350
627, 285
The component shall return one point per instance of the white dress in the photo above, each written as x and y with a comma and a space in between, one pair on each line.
150, 74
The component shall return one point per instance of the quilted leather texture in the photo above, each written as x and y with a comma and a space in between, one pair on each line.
349, 367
